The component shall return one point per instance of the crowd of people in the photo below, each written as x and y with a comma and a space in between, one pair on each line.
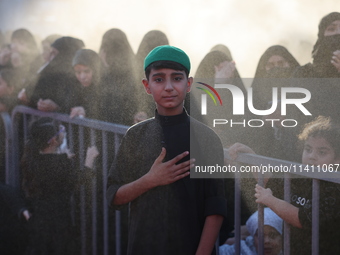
62, 75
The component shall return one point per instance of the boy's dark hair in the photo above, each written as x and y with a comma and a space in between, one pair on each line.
165, 64
41, 131
325, 128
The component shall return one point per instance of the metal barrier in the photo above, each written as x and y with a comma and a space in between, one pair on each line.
19, 122
7, 142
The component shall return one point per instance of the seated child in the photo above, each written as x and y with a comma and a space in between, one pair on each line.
272, 236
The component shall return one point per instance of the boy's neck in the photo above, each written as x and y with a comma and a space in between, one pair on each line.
170, 113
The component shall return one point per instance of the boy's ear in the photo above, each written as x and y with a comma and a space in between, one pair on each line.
146, 86
190, 82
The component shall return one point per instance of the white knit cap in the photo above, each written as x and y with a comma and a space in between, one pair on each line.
270, 219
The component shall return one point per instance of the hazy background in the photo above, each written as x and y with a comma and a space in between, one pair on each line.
247, 27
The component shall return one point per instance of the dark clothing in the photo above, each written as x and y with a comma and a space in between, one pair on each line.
323, 77
10, 102
275, 50
90, 99
329, 217
168, 219
205, 73
13, 232
49, 188
324, 95
274, 142
57, 80
265, 80
61, 87
314, 71
118, 101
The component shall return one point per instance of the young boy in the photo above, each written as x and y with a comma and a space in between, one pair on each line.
321, 139
169, 212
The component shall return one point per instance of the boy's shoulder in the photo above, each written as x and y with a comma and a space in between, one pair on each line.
142, 128
201, 128
142, 124
152, 125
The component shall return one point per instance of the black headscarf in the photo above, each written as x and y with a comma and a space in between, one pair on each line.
324, 23
277, 77
223, 48
57, 80
119, 79
206, 73
271, 51
90, 97
325, 46
67, 47
91, 59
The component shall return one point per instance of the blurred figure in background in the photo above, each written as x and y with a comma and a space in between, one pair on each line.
86, 65
275, 65
8, 83
57, 88
274, 69
119, 78
47, 48
321, 77
5, 56
25, 56
216, 67
326, 50
224, 49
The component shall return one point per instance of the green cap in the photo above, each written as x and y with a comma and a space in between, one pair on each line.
168, 53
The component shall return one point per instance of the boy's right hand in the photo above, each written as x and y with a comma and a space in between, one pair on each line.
263, 195
163, 173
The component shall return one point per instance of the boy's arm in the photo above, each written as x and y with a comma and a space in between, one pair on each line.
286, 211
209, 235
159, 174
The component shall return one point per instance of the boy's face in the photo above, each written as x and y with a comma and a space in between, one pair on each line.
168, 88
318, 151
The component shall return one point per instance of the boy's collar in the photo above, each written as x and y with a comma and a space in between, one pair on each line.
171, 120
